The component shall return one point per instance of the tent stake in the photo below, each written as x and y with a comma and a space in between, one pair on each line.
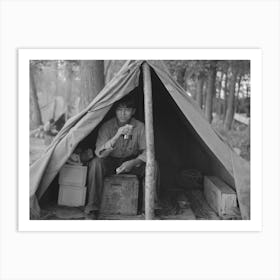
150, 179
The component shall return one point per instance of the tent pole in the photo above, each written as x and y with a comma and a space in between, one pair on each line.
150, 179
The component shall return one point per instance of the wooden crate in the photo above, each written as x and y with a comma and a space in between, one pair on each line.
73, 175
72, 196
120, 195
220, 196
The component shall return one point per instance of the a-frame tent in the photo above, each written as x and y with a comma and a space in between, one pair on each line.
183, 137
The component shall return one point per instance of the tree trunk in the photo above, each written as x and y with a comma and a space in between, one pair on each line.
204, 90
186, 79
230, 103
56, 93
92, 81
219, 107
236, 109
211, 91
199, 89
36, 117
69, 85
56, 77
225, 97
181, 77
107, 66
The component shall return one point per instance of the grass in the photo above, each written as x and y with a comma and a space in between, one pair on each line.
238, 137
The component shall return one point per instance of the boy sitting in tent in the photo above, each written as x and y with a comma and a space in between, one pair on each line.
120, 148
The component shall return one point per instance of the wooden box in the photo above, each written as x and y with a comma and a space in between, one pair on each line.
72, 196
120, 195
73, 175
220, 196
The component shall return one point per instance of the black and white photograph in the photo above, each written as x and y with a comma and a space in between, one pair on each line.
137, 139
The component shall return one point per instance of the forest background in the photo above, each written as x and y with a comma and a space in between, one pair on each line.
221, 89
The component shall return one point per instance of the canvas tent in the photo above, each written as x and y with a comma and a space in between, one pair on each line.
183, 137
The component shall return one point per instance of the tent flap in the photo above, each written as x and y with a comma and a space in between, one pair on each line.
44, 170
241, 169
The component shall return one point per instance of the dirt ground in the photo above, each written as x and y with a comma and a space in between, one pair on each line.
194, 207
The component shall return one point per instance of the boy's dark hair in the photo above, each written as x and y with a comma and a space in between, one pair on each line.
128, 101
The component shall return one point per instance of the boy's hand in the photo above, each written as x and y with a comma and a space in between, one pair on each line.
125, 167
123, 130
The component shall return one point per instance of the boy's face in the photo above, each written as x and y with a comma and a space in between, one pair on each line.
124, 114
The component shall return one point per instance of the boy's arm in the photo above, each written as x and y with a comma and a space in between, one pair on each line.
106, 144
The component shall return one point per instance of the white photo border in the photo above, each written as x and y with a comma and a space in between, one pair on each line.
24, 57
